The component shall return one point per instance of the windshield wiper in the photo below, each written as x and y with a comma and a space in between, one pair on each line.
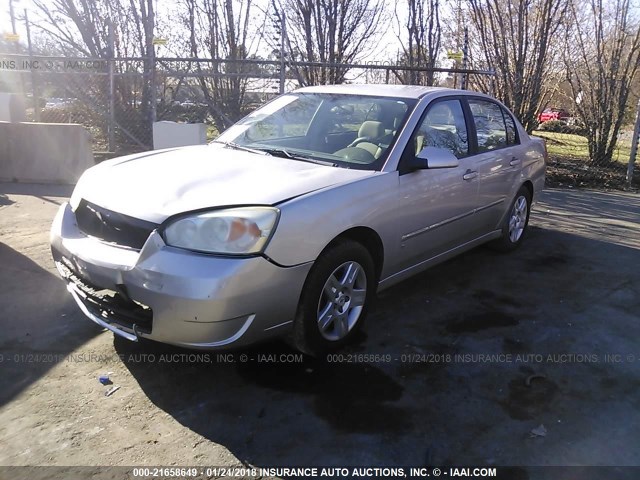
281, 152
237, 146
275, 152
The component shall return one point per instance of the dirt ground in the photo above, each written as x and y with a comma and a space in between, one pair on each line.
440, 377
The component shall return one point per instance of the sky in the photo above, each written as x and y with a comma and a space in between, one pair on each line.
387, 47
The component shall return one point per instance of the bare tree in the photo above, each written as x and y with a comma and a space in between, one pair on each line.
83, 27
328, 31
602, 58
223, 31
514, 38
423, 36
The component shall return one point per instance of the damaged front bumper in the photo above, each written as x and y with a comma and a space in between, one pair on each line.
174, 296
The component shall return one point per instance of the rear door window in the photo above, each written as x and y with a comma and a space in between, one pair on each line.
490, 125
512, 134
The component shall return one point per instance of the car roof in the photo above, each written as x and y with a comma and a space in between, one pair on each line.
381, 90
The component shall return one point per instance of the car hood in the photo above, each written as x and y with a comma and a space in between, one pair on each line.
155, 185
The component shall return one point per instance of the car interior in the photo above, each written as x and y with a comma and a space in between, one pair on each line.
357, 129
374, 134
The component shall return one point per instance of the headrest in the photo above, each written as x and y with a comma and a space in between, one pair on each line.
440, 114
371, 129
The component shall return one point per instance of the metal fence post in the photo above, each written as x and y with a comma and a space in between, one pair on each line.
34, 82
151, 58
111, 124
153, 92
634, 146
283, 26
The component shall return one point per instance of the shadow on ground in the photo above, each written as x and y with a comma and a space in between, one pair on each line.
4, 200
36, 189
38, 322
417, 388
423, 406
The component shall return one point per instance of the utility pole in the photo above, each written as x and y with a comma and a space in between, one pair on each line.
465, 53
458, 42
13, 17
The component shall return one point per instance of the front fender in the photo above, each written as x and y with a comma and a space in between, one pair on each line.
310, 222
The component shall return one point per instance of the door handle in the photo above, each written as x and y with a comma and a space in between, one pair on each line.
469, 175
515, 161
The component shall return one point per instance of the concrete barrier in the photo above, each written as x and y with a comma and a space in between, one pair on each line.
171, 134
11, 108
44, 152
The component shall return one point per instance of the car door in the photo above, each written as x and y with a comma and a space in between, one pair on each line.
497, 158
437, 205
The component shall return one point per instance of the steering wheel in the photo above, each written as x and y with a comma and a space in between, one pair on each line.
355, 155
360, 140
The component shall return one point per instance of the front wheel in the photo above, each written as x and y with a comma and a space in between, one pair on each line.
514, 227
335, 297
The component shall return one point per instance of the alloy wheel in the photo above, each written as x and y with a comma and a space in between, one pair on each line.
518, 220
342, 301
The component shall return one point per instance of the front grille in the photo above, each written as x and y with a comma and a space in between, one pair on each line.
111, 226
113, 307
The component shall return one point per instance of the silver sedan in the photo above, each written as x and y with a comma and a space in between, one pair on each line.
292, 220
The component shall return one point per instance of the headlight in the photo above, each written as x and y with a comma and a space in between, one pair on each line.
234, 231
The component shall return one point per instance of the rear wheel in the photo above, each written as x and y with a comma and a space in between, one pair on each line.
334, 301
514, 227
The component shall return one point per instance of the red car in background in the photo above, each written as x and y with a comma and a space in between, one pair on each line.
553, 114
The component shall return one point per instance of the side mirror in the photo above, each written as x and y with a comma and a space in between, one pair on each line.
434, 157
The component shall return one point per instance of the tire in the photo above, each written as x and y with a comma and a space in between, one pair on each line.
329, 315
514, 226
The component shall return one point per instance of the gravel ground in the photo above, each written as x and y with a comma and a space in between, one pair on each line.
442, 375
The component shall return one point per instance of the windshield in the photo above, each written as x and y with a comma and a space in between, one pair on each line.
351, 131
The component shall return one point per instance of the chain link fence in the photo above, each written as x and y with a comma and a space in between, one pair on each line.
117, 100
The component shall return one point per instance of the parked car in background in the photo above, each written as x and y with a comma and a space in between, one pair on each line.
57, 102
291, 221
553, 114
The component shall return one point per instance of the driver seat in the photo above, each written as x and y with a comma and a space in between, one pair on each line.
369, 134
